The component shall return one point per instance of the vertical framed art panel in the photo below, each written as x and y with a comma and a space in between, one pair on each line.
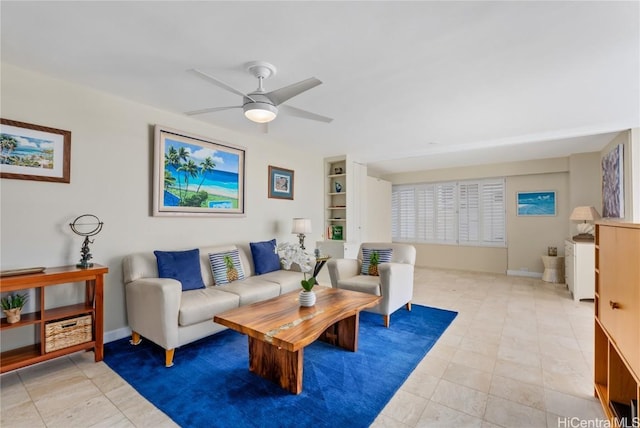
613, 183
536, 203
34, 152
196, 176
280, 183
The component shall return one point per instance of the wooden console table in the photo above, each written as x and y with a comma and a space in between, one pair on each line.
93, 306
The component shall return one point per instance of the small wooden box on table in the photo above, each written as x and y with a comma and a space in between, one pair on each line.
279, 329
92, 306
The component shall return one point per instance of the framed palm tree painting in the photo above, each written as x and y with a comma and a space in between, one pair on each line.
34, 152
196, 176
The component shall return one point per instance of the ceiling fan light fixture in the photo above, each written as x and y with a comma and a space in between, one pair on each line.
260, 112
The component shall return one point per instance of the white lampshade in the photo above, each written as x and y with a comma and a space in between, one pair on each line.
301, 225
584, 214
260, 112
587, 215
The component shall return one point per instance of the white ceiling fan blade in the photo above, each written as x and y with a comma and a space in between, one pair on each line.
219, 83
283, 94
294, 111
209, 110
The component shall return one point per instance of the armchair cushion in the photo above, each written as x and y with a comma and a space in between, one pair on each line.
384, 256
265, 258
363, 283
183, 266
222, 274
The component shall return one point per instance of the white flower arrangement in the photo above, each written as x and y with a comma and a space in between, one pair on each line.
292, 253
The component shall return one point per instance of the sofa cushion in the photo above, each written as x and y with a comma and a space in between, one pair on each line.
288, 280
384, 256
363, 283
201, 305
181, 265
252, 290
224, 273
265, 257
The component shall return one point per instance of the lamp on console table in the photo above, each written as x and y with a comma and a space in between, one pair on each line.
301, 226
585, 229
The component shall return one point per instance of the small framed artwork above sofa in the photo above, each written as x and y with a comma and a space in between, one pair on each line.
196, 176
280, 183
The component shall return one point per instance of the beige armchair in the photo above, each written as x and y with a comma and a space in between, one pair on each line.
395, 283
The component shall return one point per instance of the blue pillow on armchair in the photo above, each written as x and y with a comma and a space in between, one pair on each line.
181, 265
265, 256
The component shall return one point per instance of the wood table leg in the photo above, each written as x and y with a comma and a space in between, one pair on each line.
276, 364
343, 333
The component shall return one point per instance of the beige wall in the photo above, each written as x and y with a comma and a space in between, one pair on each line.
584, 184
527, 237
111, 177
479, 259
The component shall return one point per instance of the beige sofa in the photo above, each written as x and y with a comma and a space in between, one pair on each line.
160, 311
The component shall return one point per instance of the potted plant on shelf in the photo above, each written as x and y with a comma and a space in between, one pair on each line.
12, 306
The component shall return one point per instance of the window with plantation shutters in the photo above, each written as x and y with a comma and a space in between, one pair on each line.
464, 213
493, 210
445, 212
469, 212
403, 214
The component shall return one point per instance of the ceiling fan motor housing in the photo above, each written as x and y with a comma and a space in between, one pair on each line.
262, 110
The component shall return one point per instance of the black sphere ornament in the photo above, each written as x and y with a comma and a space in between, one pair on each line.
86, 225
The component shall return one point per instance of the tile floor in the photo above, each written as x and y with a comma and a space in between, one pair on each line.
519, 354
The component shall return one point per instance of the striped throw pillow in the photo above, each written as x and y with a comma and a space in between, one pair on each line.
384, 256
226, 267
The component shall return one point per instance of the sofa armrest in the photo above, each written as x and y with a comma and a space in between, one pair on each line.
153, 305
396, 284
342, 268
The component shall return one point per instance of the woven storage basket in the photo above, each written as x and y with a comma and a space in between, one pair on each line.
68, 332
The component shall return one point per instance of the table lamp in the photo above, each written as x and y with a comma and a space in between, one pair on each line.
301, 226
585, 229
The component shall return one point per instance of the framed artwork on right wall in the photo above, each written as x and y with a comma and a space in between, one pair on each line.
613, 183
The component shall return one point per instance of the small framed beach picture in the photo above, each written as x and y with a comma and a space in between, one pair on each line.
196, 176
34, 152
280, 183
536, 203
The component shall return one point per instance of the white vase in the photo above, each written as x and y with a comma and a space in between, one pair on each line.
307, 298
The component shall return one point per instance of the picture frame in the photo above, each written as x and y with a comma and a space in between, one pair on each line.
34, 152
613, 183
197, 176
280, 183
538, 203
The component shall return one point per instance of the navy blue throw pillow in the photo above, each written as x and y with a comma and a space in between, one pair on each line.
265, 257
181, 265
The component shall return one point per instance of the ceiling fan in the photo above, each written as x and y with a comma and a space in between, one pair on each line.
260, 106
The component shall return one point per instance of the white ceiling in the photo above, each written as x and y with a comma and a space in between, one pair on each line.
410, 85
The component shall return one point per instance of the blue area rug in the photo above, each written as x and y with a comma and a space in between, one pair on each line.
210, 384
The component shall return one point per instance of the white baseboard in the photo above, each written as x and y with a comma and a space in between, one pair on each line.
110, 336
524, 273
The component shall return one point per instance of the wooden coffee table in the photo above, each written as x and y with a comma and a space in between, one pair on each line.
278, 330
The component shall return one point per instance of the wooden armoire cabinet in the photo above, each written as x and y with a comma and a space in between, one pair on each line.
617, 319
